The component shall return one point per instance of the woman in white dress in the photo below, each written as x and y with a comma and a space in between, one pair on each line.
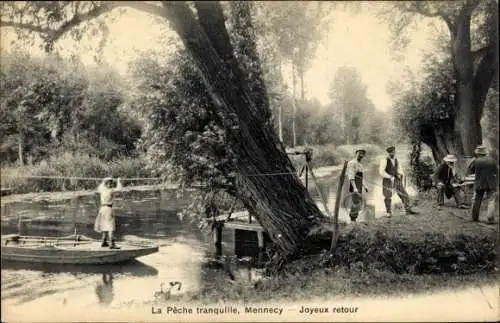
105, 221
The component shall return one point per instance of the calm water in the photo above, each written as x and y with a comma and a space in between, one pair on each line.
183, 255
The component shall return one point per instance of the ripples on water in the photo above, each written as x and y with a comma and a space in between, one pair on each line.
148, 216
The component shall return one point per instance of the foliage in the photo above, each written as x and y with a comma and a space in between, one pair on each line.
402, 17
358, 117
184, 134
305, 279
296, 28
421, 168
27, 179
431, 103
51, 106
470, 44
434, 253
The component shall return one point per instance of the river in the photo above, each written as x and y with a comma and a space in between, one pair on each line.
183, 255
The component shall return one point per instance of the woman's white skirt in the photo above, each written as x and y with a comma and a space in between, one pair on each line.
105, 220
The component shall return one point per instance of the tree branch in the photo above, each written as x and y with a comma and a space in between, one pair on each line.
51, 35
447, 19
26, 26
211, 19
419, 7
481, 51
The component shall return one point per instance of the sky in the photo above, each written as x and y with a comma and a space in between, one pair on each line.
357, 40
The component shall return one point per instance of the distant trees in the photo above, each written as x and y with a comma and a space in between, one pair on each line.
295, 29
355, 113
49, 105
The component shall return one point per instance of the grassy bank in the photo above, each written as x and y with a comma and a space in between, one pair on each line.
70, 165
430, 252
308, 282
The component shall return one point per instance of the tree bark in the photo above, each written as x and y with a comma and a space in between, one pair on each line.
280, 106
471, 87
294, 107
277, 201
443, 141
302, 91
20, 149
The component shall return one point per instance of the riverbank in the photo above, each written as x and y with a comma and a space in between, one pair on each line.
474, 304
77, 172
59, 196
405, 257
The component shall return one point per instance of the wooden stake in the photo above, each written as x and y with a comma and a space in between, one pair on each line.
335, 234
218, 239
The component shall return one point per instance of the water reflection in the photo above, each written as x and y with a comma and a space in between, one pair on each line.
134, 268
184, 255
143, 215
104, 290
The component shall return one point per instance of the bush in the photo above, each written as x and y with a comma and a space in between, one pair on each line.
69, 165
434, 252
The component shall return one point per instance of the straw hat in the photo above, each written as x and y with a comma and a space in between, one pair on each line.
360, 150
450, 158
390, 149
481, 150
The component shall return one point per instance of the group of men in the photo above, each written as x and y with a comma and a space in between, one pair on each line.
485, 171
392, 182
446, 179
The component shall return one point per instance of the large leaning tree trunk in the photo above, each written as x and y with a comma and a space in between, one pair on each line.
278, 202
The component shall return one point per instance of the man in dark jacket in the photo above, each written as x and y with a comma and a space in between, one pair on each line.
485, 170
448, 182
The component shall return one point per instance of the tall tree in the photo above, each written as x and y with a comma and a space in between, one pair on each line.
352, 107
472, 27
297, 28
277, 201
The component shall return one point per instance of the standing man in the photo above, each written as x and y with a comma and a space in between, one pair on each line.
354, 172
105, 221
392, 180
447, 182
485, 170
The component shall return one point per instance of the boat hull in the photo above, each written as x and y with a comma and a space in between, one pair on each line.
79, 253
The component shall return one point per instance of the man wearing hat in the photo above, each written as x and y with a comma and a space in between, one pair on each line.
354, 173
448, 183
392, 181
105, 221
485, 170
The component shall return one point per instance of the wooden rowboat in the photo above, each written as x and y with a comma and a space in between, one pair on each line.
74, 249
